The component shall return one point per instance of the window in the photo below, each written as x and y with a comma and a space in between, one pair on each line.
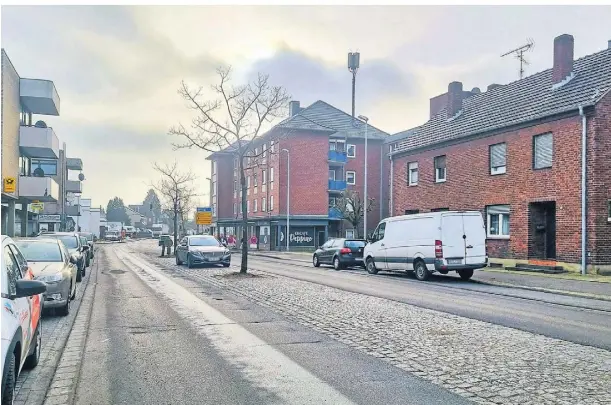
271, 145
351, 178
256, 152
254, 205
439, 209
235, 208
498, 158
263, 177
264, 150
41, 167
351, 151
214, 167
332, 145
263, 204
12, 270
332, 202
254, 179
271, 202
440, 169
411, 212
20, 260
24, 166
543, 146
331, 174
341, 146
349, 233
248, 182
248, 206
271, 174
379, 232
412, 174
498, 221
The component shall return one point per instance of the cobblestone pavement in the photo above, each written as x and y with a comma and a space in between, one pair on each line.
32, 385
490, 364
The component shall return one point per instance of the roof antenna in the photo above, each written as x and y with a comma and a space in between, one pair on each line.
519, 54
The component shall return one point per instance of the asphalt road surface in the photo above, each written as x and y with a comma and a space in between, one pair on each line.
158, 339
580, 320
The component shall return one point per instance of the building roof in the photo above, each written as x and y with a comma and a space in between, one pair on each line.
324, 116
516, 103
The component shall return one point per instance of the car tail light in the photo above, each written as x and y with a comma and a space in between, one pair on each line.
438, 249
345, 251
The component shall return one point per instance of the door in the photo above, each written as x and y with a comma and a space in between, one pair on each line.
475, 238
377, 247
21, 307
542, 230
327, 249
321, 238
453, 238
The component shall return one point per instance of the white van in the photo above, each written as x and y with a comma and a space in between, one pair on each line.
427, 243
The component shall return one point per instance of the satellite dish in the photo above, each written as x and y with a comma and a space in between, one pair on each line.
81, 176
40, 124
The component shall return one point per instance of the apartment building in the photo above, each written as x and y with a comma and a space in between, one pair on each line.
514, 152
320, 151
33, 164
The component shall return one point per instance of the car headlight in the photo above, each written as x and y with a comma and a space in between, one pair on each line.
53, 278
226, 253
196, 253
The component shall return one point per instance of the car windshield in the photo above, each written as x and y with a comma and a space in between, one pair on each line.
70, 241
355, 243
203, 242
40, 251
88, 236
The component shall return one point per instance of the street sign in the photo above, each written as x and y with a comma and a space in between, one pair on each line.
9, 185
203, 216
37, 207
49, 218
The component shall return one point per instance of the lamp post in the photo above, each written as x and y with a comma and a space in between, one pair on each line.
288, 193
366, 120
211, 191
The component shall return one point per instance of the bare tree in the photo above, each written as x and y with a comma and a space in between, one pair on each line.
176, 191
230, 119
352, 208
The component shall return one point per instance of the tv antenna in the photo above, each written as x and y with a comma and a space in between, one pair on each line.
519, 54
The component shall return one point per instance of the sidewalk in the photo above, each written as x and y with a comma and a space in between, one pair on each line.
589, 286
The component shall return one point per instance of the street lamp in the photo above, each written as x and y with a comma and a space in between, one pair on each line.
366, 120
288, 193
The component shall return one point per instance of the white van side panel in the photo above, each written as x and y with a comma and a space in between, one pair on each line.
476, 238
452, 232
411, 238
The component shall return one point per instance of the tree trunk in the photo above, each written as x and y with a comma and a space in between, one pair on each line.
244, 264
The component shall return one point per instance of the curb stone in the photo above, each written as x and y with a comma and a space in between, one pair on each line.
63, 386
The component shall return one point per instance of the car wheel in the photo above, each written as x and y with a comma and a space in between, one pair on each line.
65, 310
9, 385
87, 262
315, 261
32, 360
336, 263
79, 275
226, 264
422, 273
189, 264
83, 270
371, 266
73, 296
465, 274
178, 262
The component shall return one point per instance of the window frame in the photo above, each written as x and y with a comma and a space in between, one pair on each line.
271, 203
445, 169
353, 177
500, 222
43, 161
534, 151
353, 147
495, 171
263, 204
255, 206
411, 183
352, 234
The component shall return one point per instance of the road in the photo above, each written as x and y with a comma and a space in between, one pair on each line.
155, 338
580, 320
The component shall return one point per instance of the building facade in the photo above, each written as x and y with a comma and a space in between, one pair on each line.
325, 149
515, 153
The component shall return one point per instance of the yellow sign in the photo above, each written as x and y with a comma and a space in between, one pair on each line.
37, 207
203, 218
9, 185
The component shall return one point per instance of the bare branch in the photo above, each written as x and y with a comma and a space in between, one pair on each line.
352, 207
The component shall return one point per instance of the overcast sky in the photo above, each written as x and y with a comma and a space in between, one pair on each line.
117, 69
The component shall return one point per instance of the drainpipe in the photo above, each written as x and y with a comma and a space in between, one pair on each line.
392, 180
584, 248
380, 203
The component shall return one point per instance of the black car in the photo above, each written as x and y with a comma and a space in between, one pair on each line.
90, 242
76, 248
340, 253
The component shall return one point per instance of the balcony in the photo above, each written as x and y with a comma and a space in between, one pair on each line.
39, 96
74, 164
43, 189
74, 186
38, 142
335, 213
337, 157
337, 186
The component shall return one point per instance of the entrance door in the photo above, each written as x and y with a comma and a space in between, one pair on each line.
272, 237
321, 238
542, 230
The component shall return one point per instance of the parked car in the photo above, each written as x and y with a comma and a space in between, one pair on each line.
202, 249
21, 309
112, 236
427, 243
52, 264
340, 253
84, 242
90, 241
76, 248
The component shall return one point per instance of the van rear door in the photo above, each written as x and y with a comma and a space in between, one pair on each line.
475, 241
452, 231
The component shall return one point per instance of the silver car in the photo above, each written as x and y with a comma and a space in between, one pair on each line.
51, 263
202, 249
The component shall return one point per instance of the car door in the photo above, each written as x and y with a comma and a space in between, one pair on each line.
21, 307
324, 257
71, 266
26, 272
377, 247
183, 248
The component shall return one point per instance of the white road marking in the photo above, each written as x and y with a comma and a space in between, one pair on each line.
261, 364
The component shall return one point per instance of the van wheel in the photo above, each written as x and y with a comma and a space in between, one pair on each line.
422, 273
465, 274
371, 266
315, 261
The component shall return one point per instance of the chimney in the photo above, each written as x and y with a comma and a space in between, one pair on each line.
609, 44
493, 86
455, 97
563, 57
294, 108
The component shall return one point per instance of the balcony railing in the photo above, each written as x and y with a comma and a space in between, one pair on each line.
43, 189
337, 156
74, 186
74, 164
337, 185
335, 213
39, 96
38, 142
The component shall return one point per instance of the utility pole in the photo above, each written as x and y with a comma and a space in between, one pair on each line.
366, 206
353, 67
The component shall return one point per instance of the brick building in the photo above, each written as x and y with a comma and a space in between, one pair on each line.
514, 152
326, 152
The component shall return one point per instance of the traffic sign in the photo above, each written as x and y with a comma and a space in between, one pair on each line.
203, 216
37, 207
9, 185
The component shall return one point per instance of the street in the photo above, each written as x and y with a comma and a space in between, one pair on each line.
159, 333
